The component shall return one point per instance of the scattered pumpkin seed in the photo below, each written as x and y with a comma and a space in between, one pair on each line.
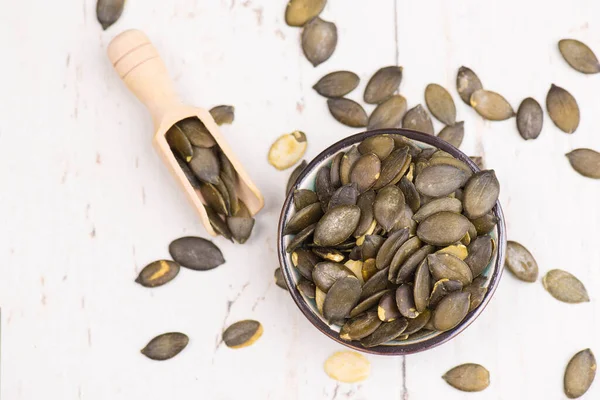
563, 109
586, 162
109, 11
196, 253
165, 346
319, 39
223, 114
383, 84
158, 273
440, 104
530, 119
451, 310
279, 280
388, 114
348, 367
468, 377
287, 150
520, 262
580, 374
467, 83
348, 112
240, 228
565, 287
242, 334
299, 12
579, 56
294, 177
453, 134
491, 105
337, 84
417, 119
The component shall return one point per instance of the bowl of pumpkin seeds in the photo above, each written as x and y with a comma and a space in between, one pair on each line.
392, 241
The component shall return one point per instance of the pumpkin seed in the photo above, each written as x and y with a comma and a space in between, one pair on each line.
377, 283
304, 198
367, 303
165, 346
408, 248
348, 112
491, 105
222, 114
480, 194
580, 374
452, 162
467, 83
326, 273
380, 145
440, 104
226, 166
448, 266
218, 224
279, 280
389, 202
453, 134
230, 193
457, 250
216, 197
347, 163
109, 11
405, 301
368, 269
412, 263
242, 334
440, 180
366, 171
287, 150
451, 310
405, 221
422, 286
416, 324
387, 331
241, 228
299, 12
323, 187
205, 165
305, 261
294, 176
438, 205
579, 56
441, 288
387, 310
390, 246
468, 377
477, 290
485, 224
393, 168
188, 173
417, 119
530, 119
365, 203
356, 267
388, 114
158, 273
520, 262
586, 162
563, 109
480, 254
355, 253
337, 84
319, 39
306, 216
413, 200
196, 132
371, 246
341, 298
179, 143
565, 287
328, 254
360, 326
306, 288
319, 299
345, 195
196, 253
334, 171
383, 84
337, 225
348, 367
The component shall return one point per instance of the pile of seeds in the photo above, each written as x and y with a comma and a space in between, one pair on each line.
394, 240
210, 172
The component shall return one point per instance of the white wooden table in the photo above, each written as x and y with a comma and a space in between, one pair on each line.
86, 203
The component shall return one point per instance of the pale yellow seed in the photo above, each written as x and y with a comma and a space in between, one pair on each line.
319, 299
348, 367
356, 267
458, 250
287, 150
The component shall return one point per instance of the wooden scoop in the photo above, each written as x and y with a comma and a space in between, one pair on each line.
139, 65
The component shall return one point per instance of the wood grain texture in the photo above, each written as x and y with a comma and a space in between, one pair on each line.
87, 203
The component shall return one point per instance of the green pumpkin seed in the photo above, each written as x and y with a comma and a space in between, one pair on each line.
158, 273
477, 290
580, 374
337, 225
365, 203
345, 195
565, 287
294, 176
227, 167
330, 254
287, 150
440, 180
562, 109
196, 253
337, 84
304, 198
388, 114
383, 84
366, 171
279, 280
377, 283
440, 104
341, 298
417, 119
306, 216
319, 40
586, 162
223, 114
389, 248
479, 255
217, 197
305, 261
334, 171
179, 143
196, 132
438, 205
451, 310
368, 303
230, 193
393, 168
323, 187
403, 141
422, 286
405, 301
188, 173
109, 11
480, 194
520, 262
453, 134
371, 246
361, 326
299, 12
448, 266
468, 377
347, 163
205, 165
579, 56
241, 228
218, 224
165, 346
418, 323
405, 221
467, 83
441, 288
389, 202
368, 269
326, 273
300, 238
381, 145
412, 263
387, 331
491, 105
413, 200
242, 334
387, 310
348, 112
306, 288
408, 248
485, 224
530, 119
452, 162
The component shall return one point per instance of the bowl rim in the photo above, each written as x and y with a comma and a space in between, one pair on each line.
383, 349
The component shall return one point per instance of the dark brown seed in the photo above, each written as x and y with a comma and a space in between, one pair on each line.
530, 119
348, 112
218, 223
368, 303
520, 262
405, 301
467, 82
477, 290
485, 224
388, 114
319, 39
468, 377
393, 168
389, 248
480, 194
371, 246
337, 84
205, 165
444, 265
565, 287
453, 134
241, 228
440, 180
179, 143
306, 288
223, 114
562, 109
165, 346
242, 333
417, 119
377, 283
383, 84
365, 203
491, 106
279, 281
388, 205
294, 176
158, 273
451, 310
196, 132
327, 253
307, 216
109, 11
438, 205
196, 253
299, 12
360, 326
580, 374
304, 198
440, 289
337, 225
422, 286
387, 310
416, 324
410, 265
341, 298
368, 269
305, 261
586, 162
381, 146
579, 56
413, 200
326, 273
408, 248
347, 163
345, 195
440, 104
479, 255
387, 331
188, 173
